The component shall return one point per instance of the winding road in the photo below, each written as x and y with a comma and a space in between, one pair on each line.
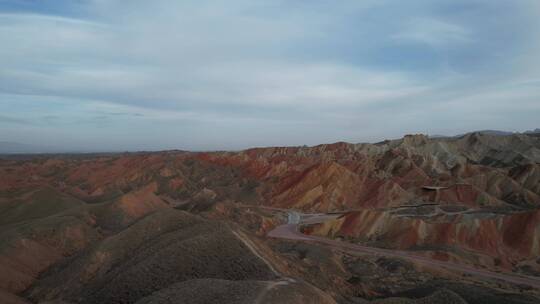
290, 231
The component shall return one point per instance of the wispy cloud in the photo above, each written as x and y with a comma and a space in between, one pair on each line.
12, 120
229, 74
434, 32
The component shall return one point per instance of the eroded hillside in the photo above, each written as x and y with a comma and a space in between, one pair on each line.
143, 227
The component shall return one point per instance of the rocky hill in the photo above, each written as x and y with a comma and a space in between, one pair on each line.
175, 225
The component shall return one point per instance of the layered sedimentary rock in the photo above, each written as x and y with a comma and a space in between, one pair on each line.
82, 228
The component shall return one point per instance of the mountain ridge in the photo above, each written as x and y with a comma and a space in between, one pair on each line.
8, 147
90, 228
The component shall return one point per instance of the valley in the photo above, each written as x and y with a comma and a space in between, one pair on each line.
412, 220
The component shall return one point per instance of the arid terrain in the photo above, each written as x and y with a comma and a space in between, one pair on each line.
413, 220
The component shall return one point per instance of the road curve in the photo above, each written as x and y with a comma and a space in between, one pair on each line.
290, 231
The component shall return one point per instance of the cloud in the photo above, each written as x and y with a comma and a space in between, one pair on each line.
433, 32
12, 120
229, 74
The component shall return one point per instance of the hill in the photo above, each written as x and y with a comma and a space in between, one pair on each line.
176, 225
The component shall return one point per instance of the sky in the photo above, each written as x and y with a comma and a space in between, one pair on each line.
110, 75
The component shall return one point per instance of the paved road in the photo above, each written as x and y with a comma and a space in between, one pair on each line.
290, 231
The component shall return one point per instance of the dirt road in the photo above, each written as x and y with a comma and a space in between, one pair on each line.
290, 231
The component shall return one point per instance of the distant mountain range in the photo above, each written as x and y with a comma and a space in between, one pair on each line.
7, 147
489, 132
535, 131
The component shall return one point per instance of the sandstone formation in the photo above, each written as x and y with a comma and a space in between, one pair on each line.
175, 225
